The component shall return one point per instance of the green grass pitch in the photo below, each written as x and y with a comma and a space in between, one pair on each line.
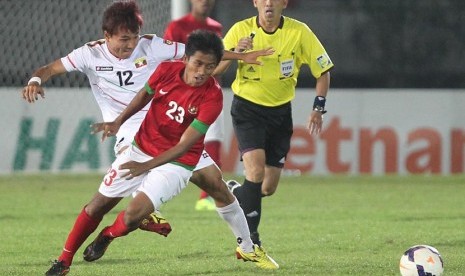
335, 225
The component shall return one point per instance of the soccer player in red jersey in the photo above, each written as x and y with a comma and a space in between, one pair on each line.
185, 101
197, 19
178, 30
117, 68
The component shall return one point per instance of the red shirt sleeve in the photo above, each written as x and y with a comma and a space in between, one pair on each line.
155, 79
212, 105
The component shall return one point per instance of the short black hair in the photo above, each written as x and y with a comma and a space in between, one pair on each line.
122, 14
206, 42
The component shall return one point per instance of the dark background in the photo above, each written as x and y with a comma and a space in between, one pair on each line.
373, 43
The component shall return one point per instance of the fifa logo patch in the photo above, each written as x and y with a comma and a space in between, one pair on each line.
103, 68
142, 61
324, 60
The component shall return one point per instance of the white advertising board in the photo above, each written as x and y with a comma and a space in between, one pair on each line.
370, 131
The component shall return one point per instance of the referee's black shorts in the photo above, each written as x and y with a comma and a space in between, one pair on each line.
263, 127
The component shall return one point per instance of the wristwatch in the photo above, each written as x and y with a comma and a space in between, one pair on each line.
319, 109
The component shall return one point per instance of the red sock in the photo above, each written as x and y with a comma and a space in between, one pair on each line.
83, 227
118, 228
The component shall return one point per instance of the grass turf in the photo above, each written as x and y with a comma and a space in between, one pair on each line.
338, 225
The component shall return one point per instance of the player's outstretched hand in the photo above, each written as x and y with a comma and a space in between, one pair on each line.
32, 91
251, 57
108, 129
133, 169
315, 122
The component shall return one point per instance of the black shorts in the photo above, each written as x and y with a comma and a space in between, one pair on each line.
263, 127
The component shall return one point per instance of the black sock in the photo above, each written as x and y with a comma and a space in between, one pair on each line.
237, 193
250, 195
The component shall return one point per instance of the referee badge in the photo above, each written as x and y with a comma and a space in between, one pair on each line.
287, 67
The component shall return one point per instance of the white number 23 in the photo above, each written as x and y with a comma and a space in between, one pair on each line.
175, 112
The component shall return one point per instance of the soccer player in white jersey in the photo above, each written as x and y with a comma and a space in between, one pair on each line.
185, 101
117, 68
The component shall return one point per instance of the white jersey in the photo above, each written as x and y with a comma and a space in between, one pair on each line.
115, 82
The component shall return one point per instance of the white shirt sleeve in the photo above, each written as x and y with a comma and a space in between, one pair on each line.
77, 59
167, 49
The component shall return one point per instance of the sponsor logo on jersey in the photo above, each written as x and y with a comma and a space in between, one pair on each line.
167, 42
142, 61
103, 68
193, 109
162, 92
251, 69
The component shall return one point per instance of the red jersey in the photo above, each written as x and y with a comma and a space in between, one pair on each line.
179, 30
176, 106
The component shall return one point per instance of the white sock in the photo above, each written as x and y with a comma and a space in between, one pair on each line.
235, 218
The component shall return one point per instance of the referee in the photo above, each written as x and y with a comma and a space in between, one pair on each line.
261, 108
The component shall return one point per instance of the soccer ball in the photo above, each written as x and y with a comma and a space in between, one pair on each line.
421, 260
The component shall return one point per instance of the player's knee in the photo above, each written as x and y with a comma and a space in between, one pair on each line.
209, 178
269, 187
222, 195
268, 191
93, 212
98, 207
215, 180
255, 174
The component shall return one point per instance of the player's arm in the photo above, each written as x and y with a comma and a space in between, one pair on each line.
315, 122
141, 99
244, 44
248, 57
190, 136
34, 88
